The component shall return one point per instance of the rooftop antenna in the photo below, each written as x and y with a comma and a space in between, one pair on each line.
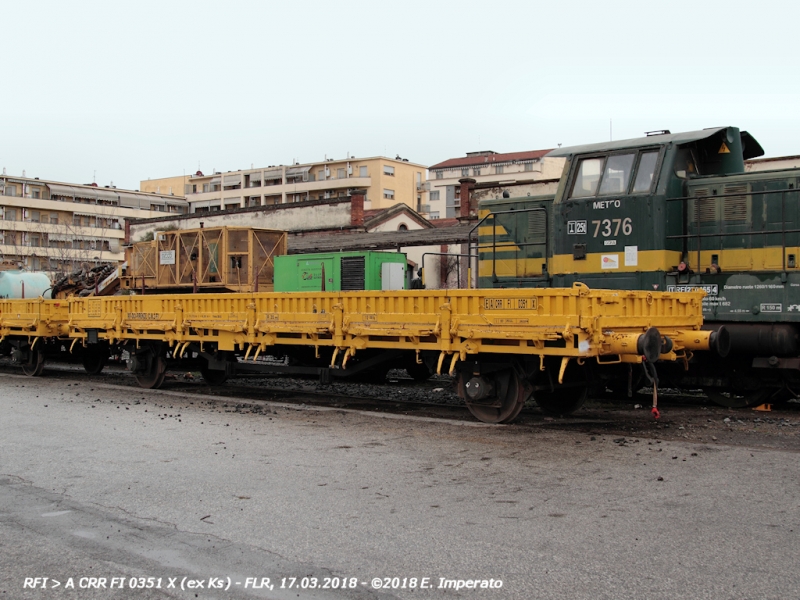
94, 176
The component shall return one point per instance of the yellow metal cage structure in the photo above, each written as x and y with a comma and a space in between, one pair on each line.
231, 259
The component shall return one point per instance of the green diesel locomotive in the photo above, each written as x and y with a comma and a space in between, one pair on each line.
671, 212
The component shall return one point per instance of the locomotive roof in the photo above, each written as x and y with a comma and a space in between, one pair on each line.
752, 148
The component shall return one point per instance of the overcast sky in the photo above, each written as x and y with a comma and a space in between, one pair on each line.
137, 90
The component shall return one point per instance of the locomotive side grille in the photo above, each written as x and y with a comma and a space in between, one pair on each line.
735, 207
537, 227
353, 273
705, 208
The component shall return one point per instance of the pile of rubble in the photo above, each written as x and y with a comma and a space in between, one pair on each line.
82, 282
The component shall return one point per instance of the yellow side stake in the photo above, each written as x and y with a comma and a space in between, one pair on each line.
72, 345
564, 363
347, 354
258, 351
453, 362
439, 363
247, 354
33, 345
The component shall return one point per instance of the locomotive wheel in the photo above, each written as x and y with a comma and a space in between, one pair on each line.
418, 372
511, 401
154, 377
563, 401
95, 359
744, 399
34, 366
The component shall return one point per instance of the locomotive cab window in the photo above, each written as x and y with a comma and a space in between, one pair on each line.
588, 177
645, 172
615, 174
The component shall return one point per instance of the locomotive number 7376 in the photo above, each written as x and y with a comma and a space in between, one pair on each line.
609, 225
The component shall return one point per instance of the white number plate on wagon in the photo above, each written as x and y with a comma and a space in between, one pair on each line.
509, 303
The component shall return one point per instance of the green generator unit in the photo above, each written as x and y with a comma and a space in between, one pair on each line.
340, 271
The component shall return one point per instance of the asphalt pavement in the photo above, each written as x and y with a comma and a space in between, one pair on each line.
127, 493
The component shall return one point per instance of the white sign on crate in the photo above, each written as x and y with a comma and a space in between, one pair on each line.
166, 257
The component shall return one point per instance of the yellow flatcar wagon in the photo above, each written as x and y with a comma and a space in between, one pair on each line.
503, 345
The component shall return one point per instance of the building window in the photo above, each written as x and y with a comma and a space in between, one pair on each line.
465, 172
498, 170
11, 190
53, 219
340, 174
10, 214
362, 172
529, 166
388, 194
36, 194
435, 214
476, 172
439, 174
34, 241
402, 227
387, 170
321, 175
35, 216
434, 196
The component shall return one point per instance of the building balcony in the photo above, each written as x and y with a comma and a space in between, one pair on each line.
288, 188
7, 251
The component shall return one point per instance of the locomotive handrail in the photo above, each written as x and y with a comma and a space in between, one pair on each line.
458, 266
493, 245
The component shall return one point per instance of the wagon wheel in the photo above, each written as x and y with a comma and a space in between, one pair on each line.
94, 359
740, 399
563, 401
566, 398
511, 398
34, 366
154, 376
418, 372
213, 377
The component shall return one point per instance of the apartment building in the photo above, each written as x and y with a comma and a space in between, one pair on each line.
526, 173
167, 186
388, 181
54, 226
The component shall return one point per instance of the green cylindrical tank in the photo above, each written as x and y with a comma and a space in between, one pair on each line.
21, 284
